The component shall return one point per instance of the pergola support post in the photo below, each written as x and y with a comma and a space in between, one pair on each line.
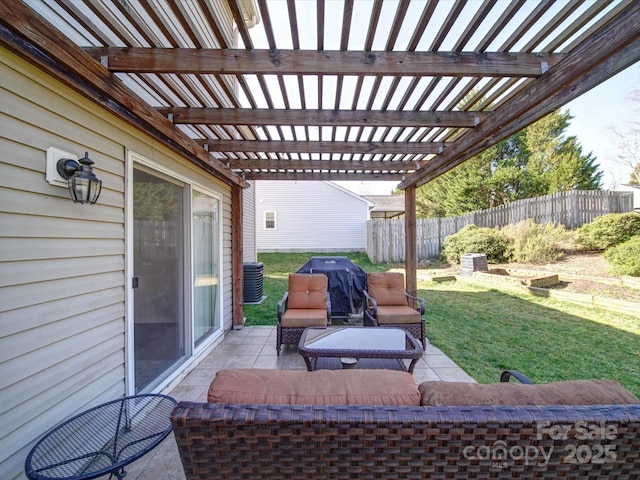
237, 257
410, 246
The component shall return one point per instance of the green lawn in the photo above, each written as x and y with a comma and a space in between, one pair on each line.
486, 331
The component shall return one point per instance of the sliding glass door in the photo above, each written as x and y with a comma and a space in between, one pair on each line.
158, 282
206, 266
176, 269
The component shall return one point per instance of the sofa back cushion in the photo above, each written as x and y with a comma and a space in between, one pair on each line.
387, 288
321, 387
569, 392
307, 290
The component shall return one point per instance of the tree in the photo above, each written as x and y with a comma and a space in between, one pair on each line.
538, 160
628, 145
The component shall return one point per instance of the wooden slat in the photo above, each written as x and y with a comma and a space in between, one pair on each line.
248, 116
609, 51
26, 34
311, 62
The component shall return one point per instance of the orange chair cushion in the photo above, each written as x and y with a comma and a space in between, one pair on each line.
304, 317
387, 288
321, 387
397, 314
308, 290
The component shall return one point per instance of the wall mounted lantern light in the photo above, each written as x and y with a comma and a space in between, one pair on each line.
84, 186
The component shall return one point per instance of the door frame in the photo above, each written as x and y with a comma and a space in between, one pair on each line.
131, 159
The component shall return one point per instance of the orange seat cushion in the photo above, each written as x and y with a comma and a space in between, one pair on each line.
387, 288
569, 392
304, 317
397, 314
308, 290
321, 387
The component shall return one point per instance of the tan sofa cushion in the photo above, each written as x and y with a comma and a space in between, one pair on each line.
569, 392
303, 318
308, 290
397, 314
321, 387
387, 288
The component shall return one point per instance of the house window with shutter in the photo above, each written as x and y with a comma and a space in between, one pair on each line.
269, 220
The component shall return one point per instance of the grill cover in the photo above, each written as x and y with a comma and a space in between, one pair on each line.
346, 283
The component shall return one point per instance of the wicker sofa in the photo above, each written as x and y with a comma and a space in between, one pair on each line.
317, 441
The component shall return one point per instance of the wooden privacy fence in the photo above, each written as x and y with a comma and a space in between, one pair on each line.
385, 238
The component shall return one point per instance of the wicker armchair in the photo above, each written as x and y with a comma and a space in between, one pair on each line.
388, 304
305, 304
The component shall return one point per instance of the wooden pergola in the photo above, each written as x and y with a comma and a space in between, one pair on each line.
327, 90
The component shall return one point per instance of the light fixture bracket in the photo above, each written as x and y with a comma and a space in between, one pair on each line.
66, 167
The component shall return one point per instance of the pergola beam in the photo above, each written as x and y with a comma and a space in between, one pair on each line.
347, 148
324, 118
324, 176
333, 165
312, 62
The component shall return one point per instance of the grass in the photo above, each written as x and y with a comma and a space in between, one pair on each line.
486, 330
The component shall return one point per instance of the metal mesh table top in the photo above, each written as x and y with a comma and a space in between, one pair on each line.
102, 439
358, 342
356, 338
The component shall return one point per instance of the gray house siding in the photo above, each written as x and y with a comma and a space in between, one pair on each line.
310, 217
62, 272
249, 252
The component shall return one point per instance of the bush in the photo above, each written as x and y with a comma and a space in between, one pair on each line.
473, 239
609, 230
625, 258
531, 242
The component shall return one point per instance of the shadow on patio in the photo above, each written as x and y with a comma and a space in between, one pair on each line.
255, 347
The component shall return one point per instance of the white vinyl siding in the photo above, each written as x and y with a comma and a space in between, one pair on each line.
311, 217
62, 277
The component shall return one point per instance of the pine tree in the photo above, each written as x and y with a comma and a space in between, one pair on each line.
536, 161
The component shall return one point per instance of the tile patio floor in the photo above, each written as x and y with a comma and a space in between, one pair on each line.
255, 347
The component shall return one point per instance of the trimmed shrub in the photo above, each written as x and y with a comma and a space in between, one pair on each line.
531, 242
473, 239
625, 258
608, 230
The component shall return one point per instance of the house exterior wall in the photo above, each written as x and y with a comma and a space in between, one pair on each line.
636, 194
310, 217
249, 249
62, 278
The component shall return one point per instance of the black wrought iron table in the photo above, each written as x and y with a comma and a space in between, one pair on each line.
385, 348
102, 440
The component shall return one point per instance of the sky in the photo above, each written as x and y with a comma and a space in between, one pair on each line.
595, 113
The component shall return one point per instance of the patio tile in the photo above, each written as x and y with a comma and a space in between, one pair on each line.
255, 347
425, 375
453, 374
240, 361
439, 361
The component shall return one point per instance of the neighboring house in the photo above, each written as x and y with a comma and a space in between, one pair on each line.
309, 216
386, 206
635, 189
105, 300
